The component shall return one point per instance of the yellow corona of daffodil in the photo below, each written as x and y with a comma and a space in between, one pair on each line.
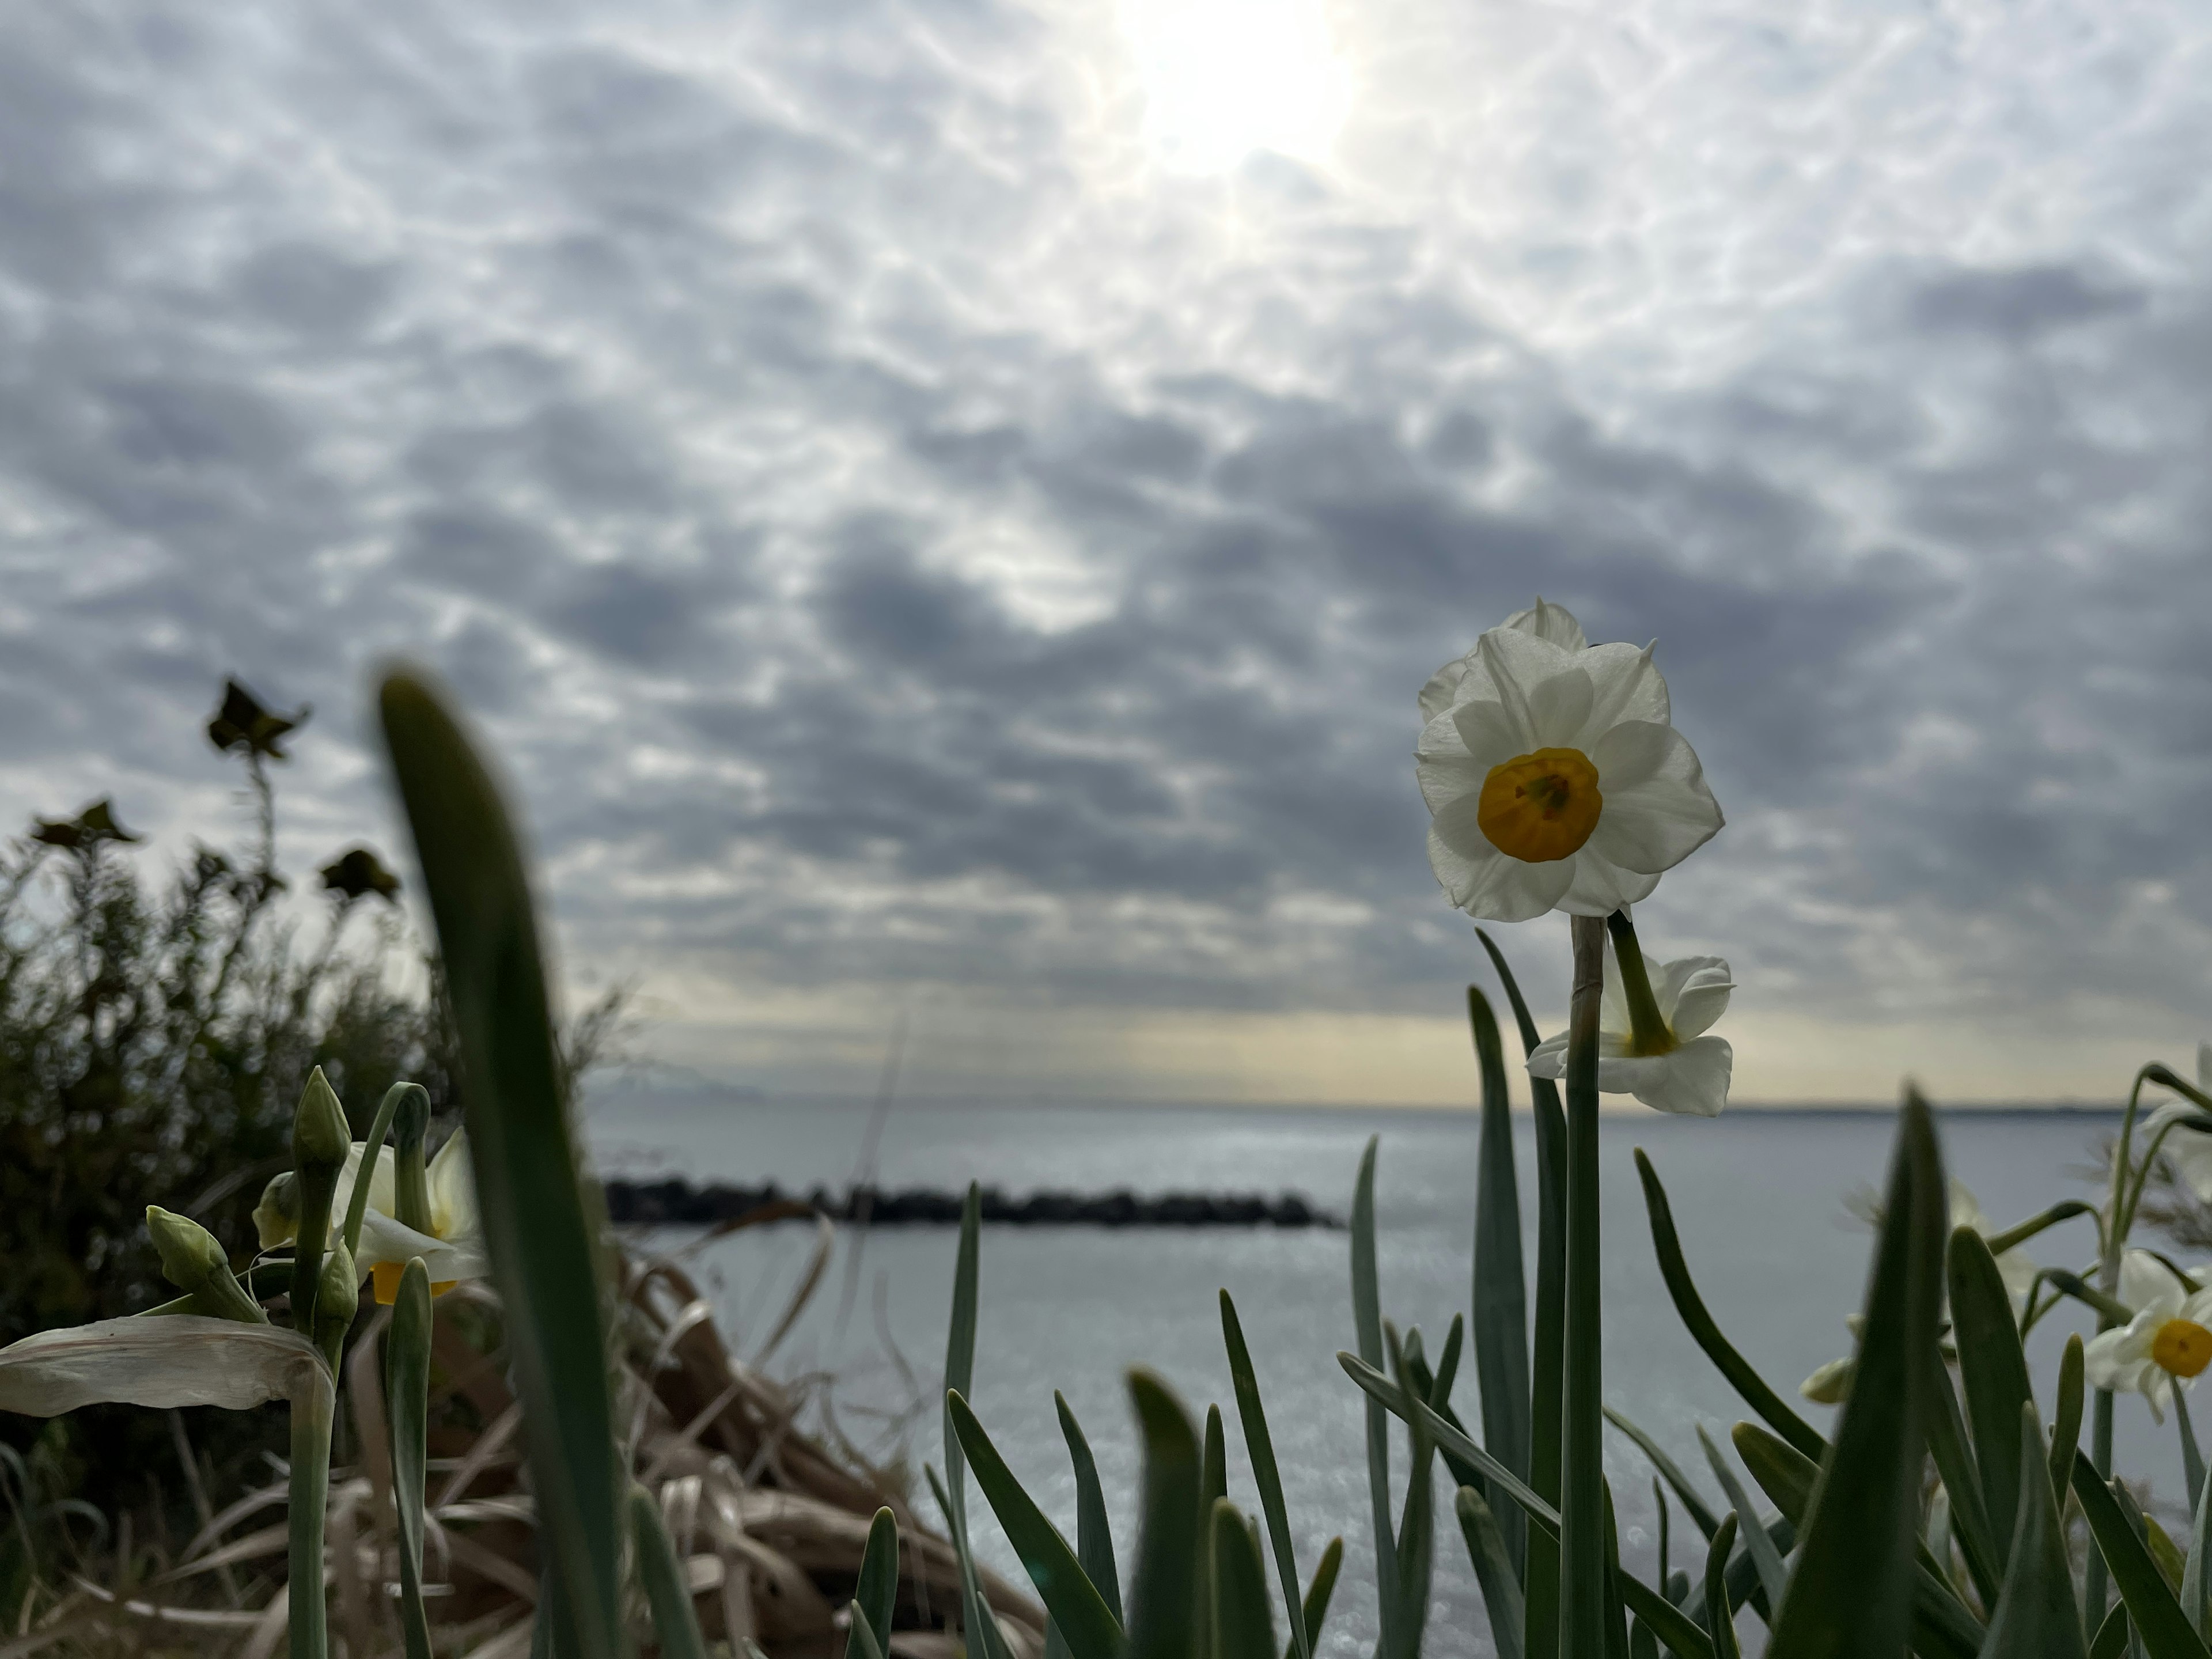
2168, 1343
1553, 776
452, 1246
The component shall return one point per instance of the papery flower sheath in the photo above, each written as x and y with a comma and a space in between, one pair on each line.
1691, 1075
2167, 1344
452, 1249
1553, 778
2189, 1149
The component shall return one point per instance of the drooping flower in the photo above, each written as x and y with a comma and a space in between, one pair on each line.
2189, 1149
1684, 1070
1553, 778
2014, 1266
2167, 1344
452, 1246
276, 1217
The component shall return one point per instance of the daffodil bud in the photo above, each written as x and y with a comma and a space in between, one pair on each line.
276, 1217
337, 1299
194, 1262
320, 1138
1831, 1384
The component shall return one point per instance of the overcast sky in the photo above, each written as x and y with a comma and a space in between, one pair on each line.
945, 507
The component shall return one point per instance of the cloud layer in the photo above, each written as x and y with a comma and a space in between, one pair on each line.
910, 537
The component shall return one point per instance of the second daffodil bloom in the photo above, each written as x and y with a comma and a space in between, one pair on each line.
1554, 777
2167, 1344
2189, 1149
453, 1246
1677, 1069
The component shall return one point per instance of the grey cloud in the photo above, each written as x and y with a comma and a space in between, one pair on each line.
802, 417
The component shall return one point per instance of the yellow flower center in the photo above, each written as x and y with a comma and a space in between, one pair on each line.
2182, 1347
385, 1275
1540, 808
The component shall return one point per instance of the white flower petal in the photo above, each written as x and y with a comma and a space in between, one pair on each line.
384, 1239
2204, 1068
2108, 1357
1442, 691
2147, 1284
383, 1183
1599, 886
1502, 889
1692, 991
1548, 1058
1693, 1080
1518, 665
1550, 621
1445, 778
1490, 735
453, 1184
1558, 710
1657, 809
2191, 1152
1628, 686
176, 1359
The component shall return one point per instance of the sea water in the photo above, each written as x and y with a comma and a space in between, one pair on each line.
1759, 1198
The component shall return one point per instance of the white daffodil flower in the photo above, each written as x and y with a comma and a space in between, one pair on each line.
453, 1249
2167, 1344
2014, 1266
276, 1217
1553, 778
1689, 1074
2189, 1149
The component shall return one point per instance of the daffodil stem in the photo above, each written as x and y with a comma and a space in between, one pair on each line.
1582, 1561
1647, 1026
410, 1173
2117, 1223
310, 1492
315, 1190
357, 1202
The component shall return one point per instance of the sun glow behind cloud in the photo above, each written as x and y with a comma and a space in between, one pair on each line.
1223, 78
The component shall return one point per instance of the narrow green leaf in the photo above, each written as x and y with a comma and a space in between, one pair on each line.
1616, 1614
538, 1227
2066, 1430
1962, 1482
861, 1643
1259, 1449
1212, 1486
1582, 1619
1701, 1514
1764, 1557
1165, 1594
1851, 1596
978, 1621
1675, 1269
1500, 1308
1494, 1569
1094, 1537
1994, 1369
1367, 1329
2196, 1579
407, 1397
1418, 1413
1641, 1642
2164, 1551
1669, 1623
667, 1586
1322, 1587
1086, 1624
2112, 1635
1243, 1627
2166, 1631
1659, 1500
2035, 1617
2192, 1454
1417, 1521
960, 1379
1720, 1618
1942, 1626
875, 1597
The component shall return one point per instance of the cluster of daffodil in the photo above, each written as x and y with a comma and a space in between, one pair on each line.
408, 1222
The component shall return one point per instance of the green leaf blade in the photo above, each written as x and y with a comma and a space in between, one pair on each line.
1500, 1319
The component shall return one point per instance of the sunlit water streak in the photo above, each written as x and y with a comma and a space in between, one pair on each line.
1758, 1197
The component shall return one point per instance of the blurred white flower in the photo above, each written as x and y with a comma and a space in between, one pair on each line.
2167, 1344
452, 1249
2014, 1266
1553, 777
2189, 1149
1691, 1075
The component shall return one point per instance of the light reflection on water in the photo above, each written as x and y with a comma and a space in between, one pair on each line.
1757, 1197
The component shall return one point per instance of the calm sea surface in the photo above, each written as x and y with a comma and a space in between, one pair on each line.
1758, 1197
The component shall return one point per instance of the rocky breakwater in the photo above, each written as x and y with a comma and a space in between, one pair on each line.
674, 1202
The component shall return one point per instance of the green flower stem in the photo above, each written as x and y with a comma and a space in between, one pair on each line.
1648, 1029
407, 1385
1583, 1559
357, 1204
310, 1492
